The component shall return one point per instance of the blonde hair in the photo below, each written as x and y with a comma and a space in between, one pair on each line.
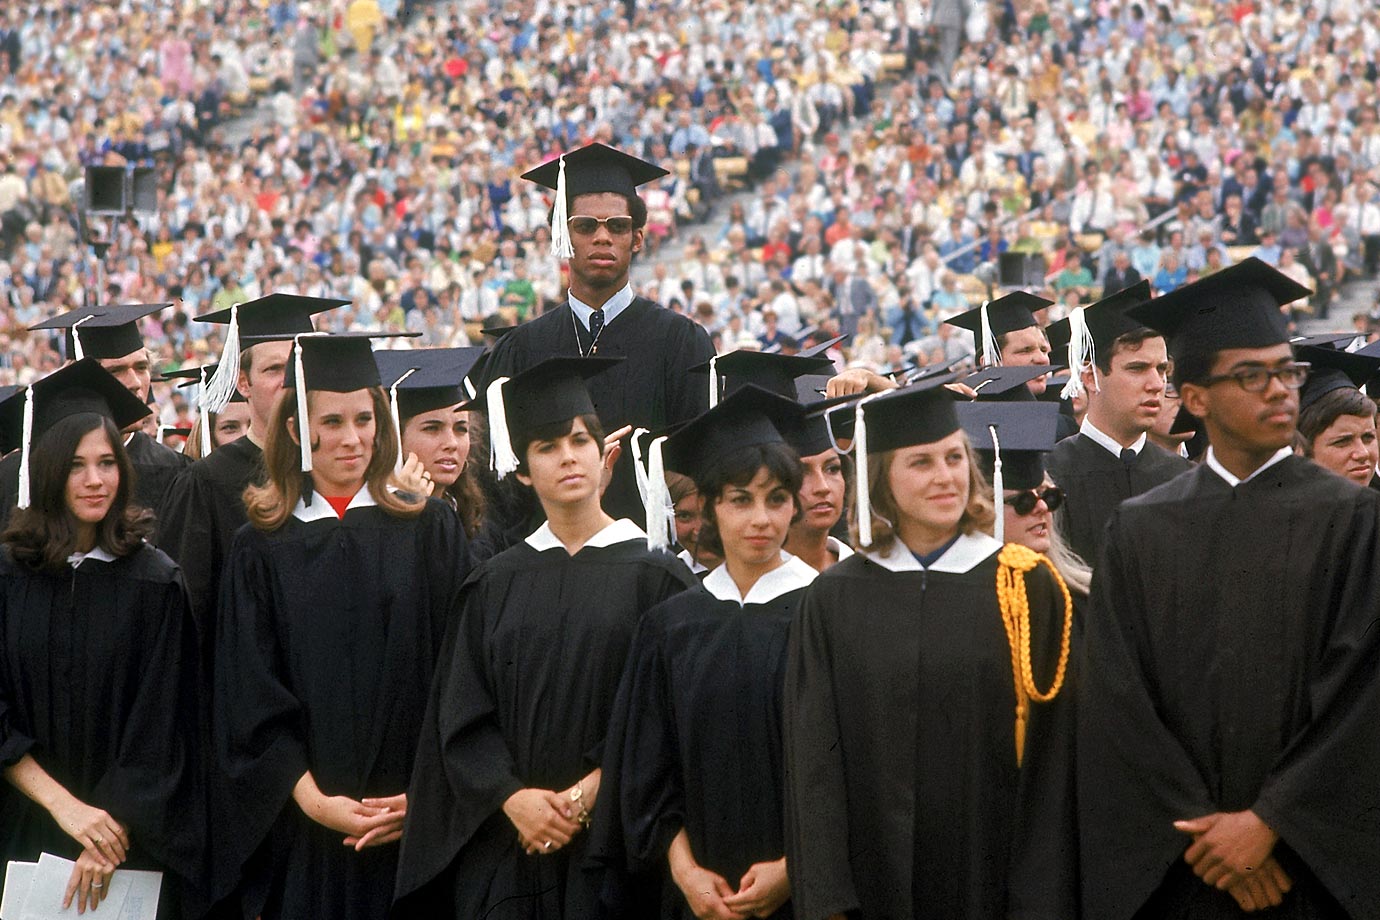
978, 515
270, 505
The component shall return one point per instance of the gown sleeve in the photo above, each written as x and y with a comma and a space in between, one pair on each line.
156, 776
644, 752
260, 739
14, 742
1134, 777
187, 533
687, 396
1322, 797
817, 831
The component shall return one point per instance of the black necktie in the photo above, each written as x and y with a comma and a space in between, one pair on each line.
596, 325
1128, 457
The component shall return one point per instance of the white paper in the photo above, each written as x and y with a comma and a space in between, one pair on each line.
133, 894
18, 877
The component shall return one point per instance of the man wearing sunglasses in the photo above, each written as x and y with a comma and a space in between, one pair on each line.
1111, 458
1227, 711
601, 215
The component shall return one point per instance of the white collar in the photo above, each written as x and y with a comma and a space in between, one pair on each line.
695, 566
612, 307
1220, 470
968, 550
793, 573
620, 531
838, 547
98, 553
320, 509
1106, 441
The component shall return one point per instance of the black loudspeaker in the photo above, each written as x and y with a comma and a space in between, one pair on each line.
1021, 269
105, 190
143, 190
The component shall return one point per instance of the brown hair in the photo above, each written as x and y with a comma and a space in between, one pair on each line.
978, 516
1127, 341
270, 505
523, 440
1318, 417
465, 494
44, 534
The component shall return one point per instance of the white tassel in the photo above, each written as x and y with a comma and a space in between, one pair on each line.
303, 428
864, 501
25, 445
221, 388
77, 351
991, 353
998, 488
713, 382
397, 415
1082, 353
661, 511
561, 247
206, 443
640, 472
829, 430
501, 455
469, 388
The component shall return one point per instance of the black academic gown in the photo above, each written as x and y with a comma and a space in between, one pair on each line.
155, 468
328, 632
1095, 481
904, 799
1232, 664
695, 740
522, 700
203, 510
652, 388
98, 678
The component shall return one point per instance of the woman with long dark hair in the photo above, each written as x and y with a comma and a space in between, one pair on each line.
694, 754
98, 661
333, 607
509, 769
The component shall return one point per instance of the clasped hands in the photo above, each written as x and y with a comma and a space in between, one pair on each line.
105, 846
546, 820
1232, 852
364, 822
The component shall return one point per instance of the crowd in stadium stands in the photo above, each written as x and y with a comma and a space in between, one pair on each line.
865, 165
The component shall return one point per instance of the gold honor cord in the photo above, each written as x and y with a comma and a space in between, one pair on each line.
1013, 562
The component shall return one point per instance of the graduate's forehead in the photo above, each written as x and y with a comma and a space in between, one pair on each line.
1231, 358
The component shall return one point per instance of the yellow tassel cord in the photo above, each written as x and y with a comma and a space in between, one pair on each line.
1013, 562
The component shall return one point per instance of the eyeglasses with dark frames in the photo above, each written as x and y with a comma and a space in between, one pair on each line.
1257, 379
1024, 502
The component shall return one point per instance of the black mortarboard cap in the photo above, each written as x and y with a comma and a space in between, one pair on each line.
822, 424
275, 316
1005, 314
595, 168
819, 348
427, 378
102, 332
1333, 370
1336, 340
77, 388
1007, 384
921, 413
1237, 307
1025, 431
748, 417
772, 372
545, 394
1106, 319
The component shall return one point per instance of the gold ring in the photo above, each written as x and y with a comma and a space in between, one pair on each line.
97, 839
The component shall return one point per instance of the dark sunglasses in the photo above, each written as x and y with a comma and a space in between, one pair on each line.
1024, 502
581, 225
